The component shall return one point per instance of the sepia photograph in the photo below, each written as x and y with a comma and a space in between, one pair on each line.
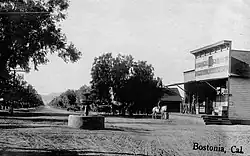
125, 77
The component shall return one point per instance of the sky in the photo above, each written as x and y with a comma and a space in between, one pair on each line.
161, 32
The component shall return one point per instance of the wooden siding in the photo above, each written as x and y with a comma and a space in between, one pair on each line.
239, 101
189, 76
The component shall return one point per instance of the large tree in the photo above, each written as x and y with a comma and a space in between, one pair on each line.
29, 31
29, 97
141, 91
102, 78
18, 93
120, 72
133, 83
71, 96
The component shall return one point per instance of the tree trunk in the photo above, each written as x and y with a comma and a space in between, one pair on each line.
130, 113
3, 70
113, 109
123, 111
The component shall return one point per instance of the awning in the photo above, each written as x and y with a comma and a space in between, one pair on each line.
181, 83
177, 84
200, 81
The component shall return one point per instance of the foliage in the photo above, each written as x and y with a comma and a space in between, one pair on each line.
71, 98
101, 73
19, 93
31, 97
81, 91
132, 82
29, 37
29, 31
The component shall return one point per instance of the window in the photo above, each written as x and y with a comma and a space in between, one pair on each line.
210, 61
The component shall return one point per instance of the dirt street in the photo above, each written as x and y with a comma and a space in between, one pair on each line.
46, 134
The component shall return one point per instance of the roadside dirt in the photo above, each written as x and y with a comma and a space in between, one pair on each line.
121, 136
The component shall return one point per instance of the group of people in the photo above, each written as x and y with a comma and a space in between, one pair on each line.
190, 109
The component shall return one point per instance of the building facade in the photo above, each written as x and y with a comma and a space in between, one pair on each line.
220, 83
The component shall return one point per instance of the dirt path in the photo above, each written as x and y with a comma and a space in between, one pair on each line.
121, 136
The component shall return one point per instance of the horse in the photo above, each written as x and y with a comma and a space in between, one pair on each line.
159, 110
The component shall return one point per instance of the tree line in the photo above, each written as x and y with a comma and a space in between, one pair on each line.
131, 84
16, 92
30, 34
119, 82
70, 99
29, 31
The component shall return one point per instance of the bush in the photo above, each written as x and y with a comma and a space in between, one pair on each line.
103, 108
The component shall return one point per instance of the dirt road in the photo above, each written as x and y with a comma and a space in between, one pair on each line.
122, 136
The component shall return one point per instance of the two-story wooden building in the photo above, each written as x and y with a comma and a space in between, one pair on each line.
220, 83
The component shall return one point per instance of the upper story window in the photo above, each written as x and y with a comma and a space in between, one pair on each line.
210, 61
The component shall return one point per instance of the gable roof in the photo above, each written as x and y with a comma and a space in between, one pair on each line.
175, 96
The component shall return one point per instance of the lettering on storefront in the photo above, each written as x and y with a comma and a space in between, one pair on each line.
210, 66
211, 71
213, 62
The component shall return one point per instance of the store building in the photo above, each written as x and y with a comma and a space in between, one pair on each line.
220, 83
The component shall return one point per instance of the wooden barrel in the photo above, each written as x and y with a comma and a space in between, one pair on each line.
86, 122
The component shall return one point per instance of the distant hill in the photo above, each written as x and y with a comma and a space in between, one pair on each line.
47, 98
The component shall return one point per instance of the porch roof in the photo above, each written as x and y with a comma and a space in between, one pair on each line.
173, 97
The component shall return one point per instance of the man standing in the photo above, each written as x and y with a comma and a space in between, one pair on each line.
193, 105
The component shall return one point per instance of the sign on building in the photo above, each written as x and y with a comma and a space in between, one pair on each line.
212, 64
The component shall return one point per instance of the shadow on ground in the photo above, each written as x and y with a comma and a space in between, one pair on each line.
107, 128
47, 152
128, 129
148, 123
135, 116
25, 113
32, 114
109, 153
5, 126
34, 119
37, 152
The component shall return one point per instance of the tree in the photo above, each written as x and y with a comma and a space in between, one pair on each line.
140, 91
30, 97
28, 37
120, 72
101, 73
71, 96
18, 93
29, 31
133, 83
82, 90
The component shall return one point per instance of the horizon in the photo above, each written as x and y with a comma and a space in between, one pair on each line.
162, 33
